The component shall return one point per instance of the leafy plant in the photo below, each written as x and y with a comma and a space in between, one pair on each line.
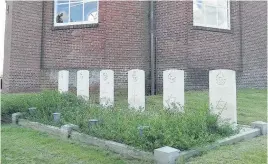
182, 130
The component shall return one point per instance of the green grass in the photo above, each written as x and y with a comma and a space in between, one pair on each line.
25, 146
121, 124
253, 151
21, 145
251, 103
194, 127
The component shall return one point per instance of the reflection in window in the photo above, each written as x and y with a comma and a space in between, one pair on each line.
70, 12
211, 13
90, 13
76, 12
62, 14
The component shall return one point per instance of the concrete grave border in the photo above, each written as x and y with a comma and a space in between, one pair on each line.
68, 131
245, 133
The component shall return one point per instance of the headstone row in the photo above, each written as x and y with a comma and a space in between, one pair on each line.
222, 90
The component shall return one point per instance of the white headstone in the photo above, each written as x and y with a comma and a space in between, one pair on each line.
136, 89
107, 88
63, 81
83, 84
222, 94
173, 89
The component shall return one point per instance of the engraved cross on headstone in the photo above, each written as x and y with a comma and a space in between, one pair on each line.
171, 78
220, 78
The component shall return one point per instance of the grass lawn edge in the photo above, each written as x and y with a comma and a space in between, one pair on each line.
130, 152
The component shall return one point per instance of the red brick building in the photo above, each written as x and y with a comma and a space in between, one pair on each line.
44, 37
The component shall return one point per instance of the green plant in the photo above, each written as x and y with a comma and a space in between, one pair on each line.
11, 103
196, 126
23, 146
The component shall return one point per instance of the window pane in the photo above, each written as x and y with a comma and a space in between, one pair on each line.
222, 3
76, 1
211, 16
223, 18
76, 11
62, 1
198, 13
198, 1
211, 2
62, 13
91, 12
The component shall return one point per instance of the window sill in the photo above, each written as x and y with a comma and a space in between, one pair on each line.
79, 26
212, 29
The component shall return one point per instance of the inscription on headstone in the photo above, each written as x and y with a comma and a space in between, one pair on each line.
63, 81
173, 89
107, 88
222, 94
83, 84
136, 89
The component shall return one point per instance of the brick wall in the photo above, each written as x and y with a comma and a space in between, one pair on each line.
254, 41
171, 37
196, 50
119, 42
22, 49
49, 78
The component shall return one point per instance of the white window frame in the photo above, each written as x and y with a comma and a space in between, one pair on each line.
217, 8
74, 23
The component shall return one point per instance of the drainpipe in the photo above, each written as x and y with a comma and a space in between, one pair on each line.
152, 49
